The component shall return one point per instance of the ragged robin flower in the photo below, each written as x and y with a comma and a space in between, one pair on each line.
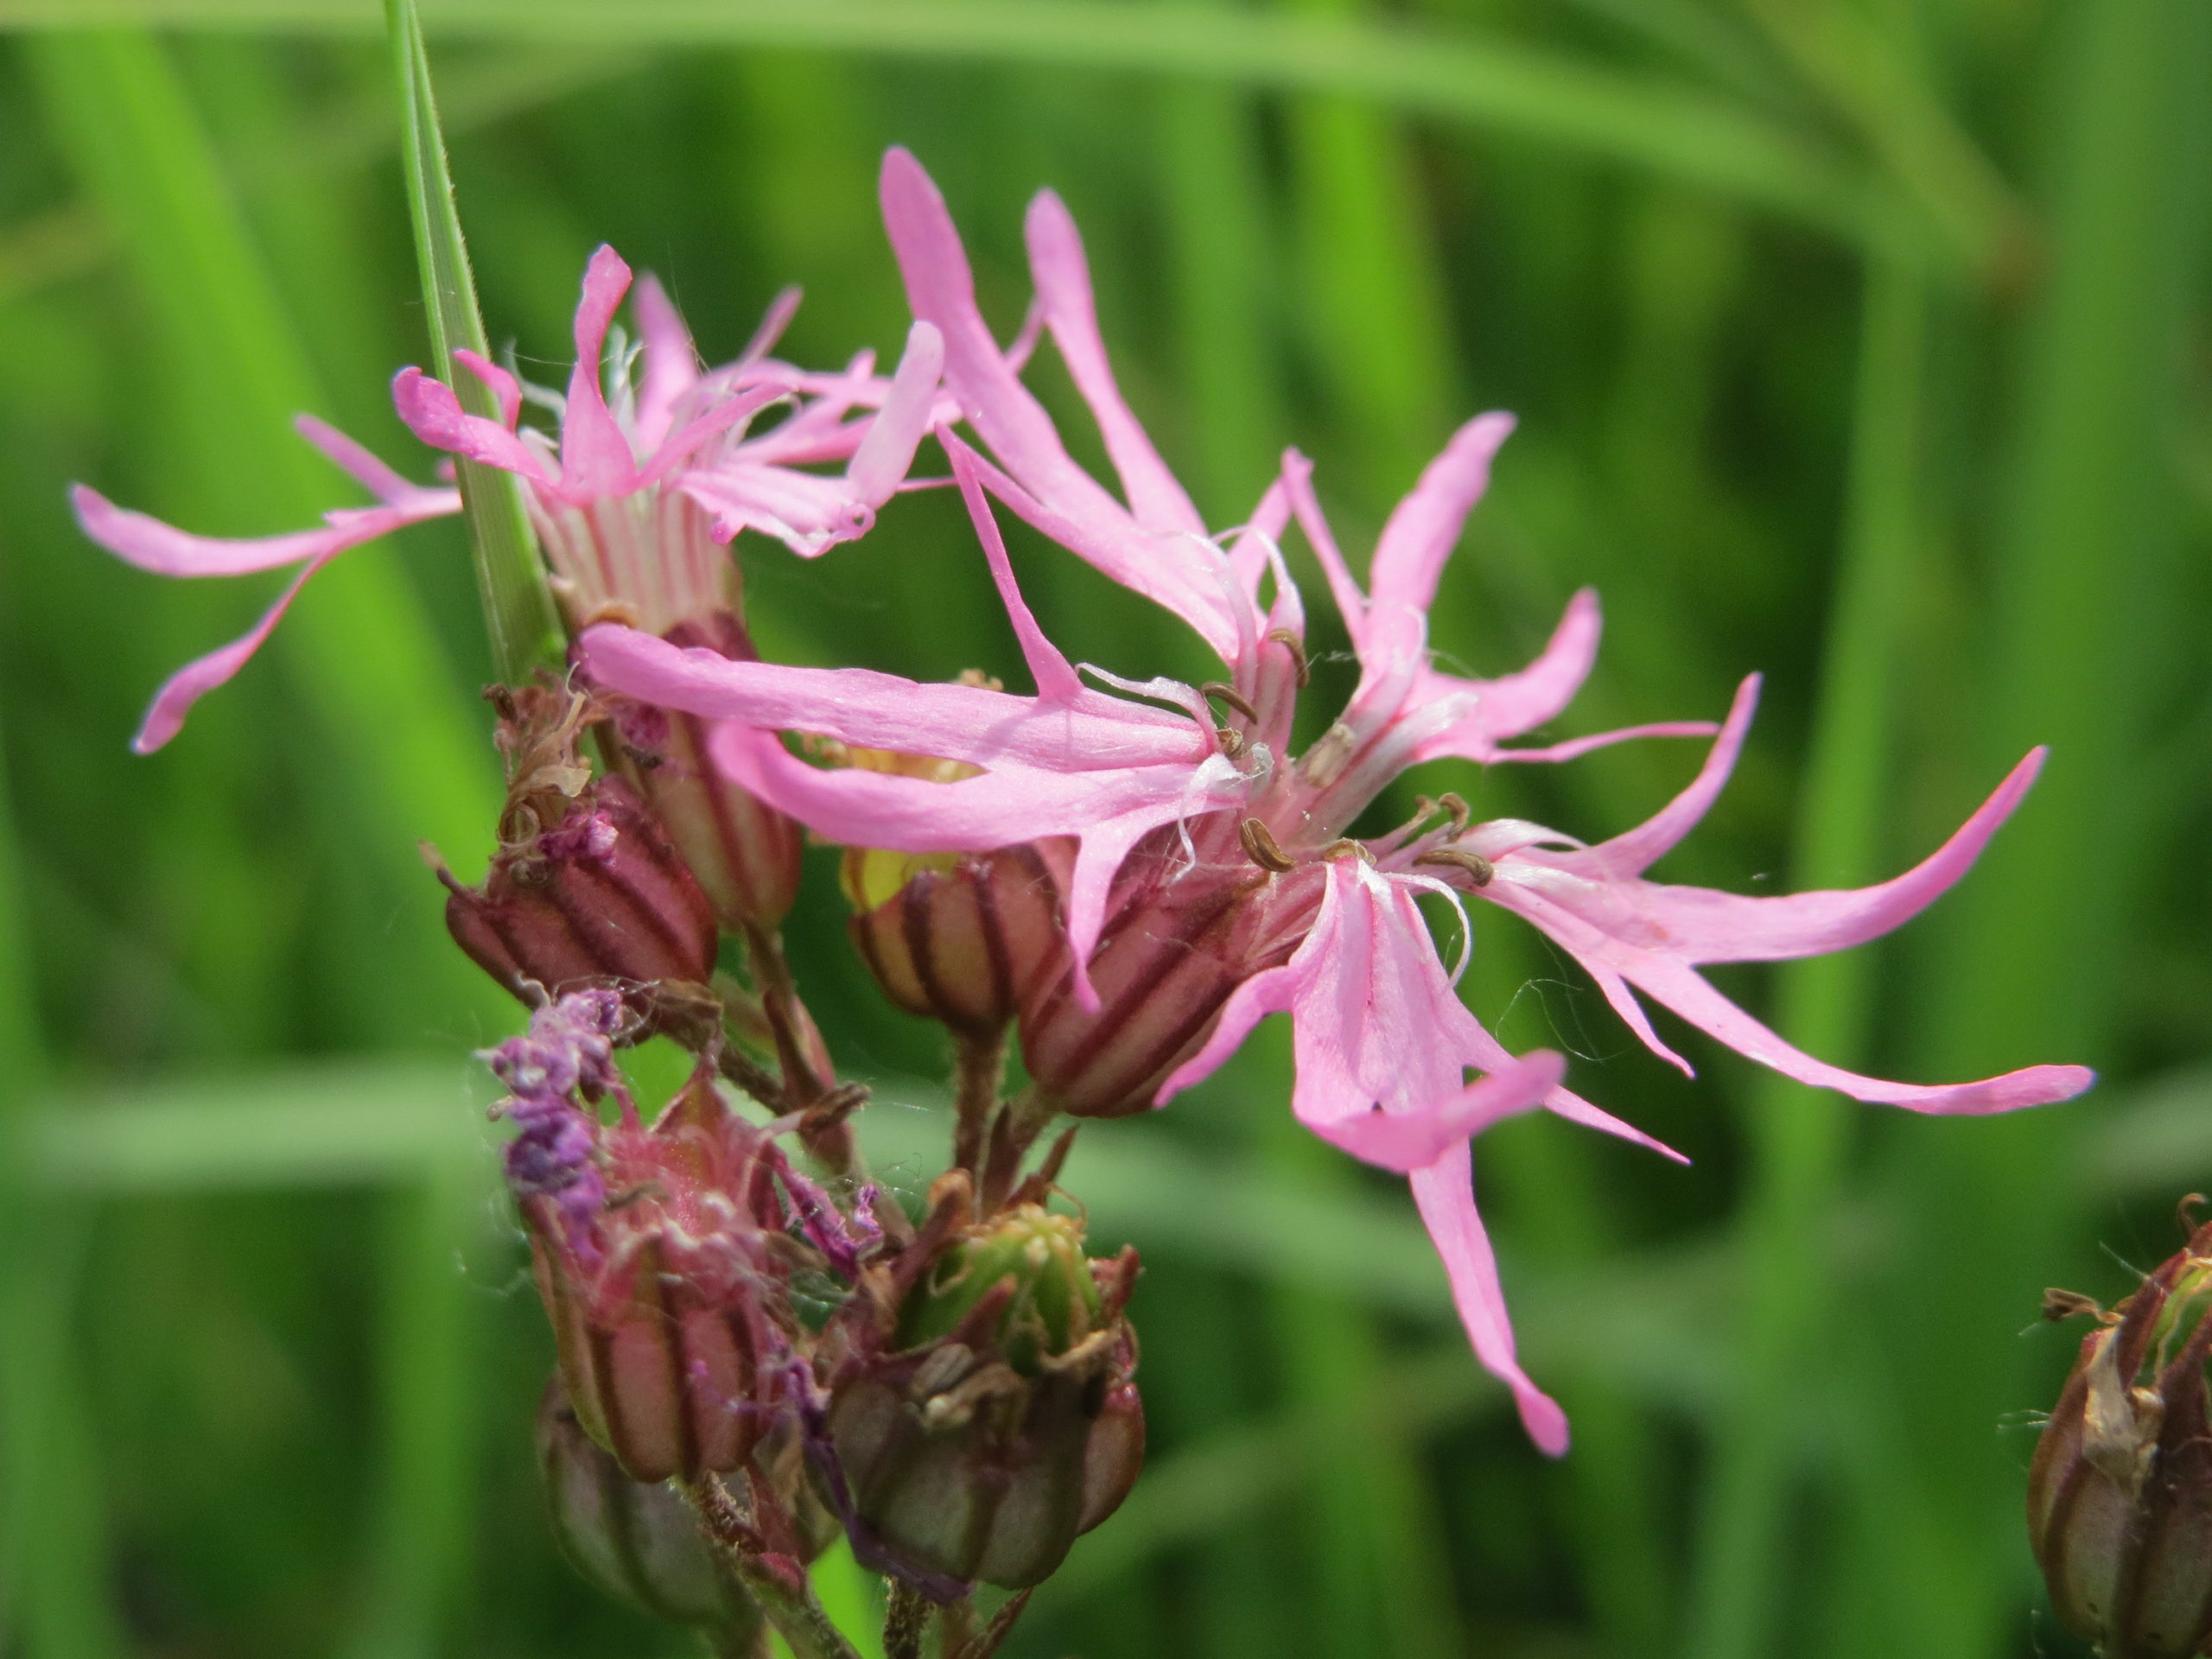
656, 467
1216, 880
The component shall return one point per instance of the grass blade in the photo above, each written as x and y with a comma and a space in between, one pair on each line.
510, 577
1799, 1136
54, 1593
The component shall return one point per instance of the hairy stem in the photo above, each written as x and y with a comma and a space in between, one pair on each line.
905, 1620
779, 1583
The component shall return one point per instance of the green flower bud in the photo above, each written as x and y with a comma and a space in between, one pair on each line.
984, 1412
2119, 1496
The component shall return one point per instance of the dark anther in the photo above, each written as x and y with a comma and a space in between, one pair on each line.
1478, 868
1232, 696
1291, 643
1344, 844
1460, 811
1231, 740
2065, 1304
1259, 847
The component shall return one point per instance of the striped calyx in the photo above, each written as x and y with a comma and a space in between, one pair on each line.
637, 1542
745, 854
959, 937
2119, 1496
670, 1304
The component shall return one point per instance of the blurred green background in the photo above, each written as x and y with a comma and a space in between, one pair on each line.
1861, 341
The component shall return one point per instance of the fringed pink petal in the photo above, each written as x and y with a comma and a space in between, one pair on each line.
433, 414
1425, 528
503, 387
1444, 1193
677, 451
1486, 1051
1063, 278
1093, 733
1351, 604
671, 364
1574, 749
1041, 483
781, 310
355, 459
1632, 853
1405, 1141
1697, 925
595, 458
166, 550
165, 716
808, 515
883, 461
1663, 976
1055, 675
1685, 991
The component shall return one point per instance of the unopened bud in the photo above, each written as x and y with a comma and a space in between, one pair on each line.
585, 887
639, 1542
663, 1256
1175, 949
600, 896
2119, 1496
963, 938
746, 853
997, 1417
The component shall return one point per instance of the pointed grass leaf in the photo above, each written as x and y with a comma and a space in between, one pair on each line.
510, 578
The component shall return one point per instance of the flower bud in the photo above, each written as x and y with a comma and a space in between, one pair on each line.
962, 938
2119, 1496
638, 1542
664, 1255
985, 1414
745, 854
585, 886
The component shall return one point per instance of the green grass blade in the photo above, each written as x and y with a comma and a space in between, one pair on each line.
55, 1598
510, 577
2081, 619
1799, 1136
1461, 77
402, 754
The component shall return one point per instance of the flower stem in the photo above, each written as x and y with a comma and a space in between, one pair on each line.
777, 1582
905, 1620
979, 1067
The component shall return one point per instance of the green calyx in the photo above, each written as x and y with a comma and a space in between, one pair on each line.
2185, 1306
1055, 1303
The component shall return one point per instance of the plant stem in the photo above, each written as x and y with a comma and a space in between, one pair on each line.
979, 1067
904, 1622
778, 1583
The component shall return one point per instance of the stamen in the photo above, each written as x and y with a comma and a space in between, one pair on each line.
1325, 762
1259, 847
1291, 643
1232, 696
1462, 814
1478, 868
1344, 844
1231, 740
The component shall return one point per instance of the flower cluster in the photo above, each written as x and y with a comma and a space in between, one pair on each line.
1215, 880
1129, 874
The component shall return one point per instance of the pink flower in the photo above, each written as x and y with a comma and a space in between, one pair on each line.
1215, 884
650, 476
